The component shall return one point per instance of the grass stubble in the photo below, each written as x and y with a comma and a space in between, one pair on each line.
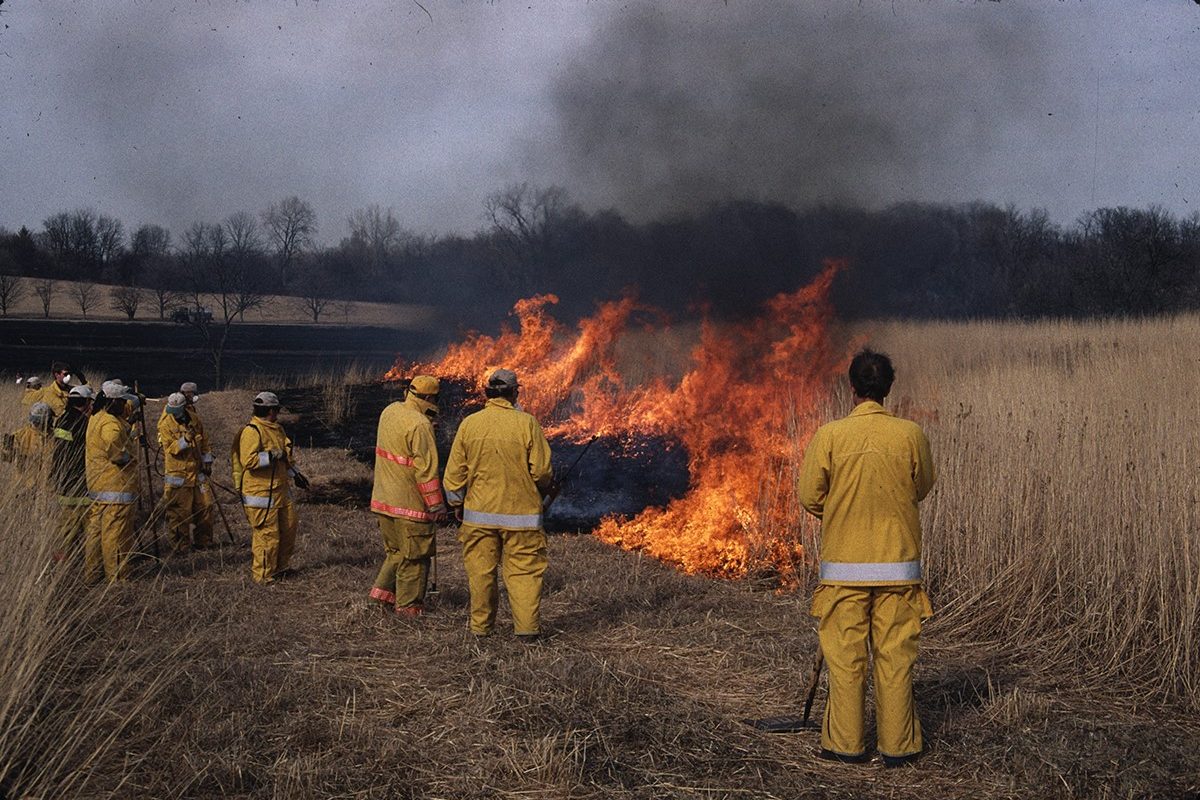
1060, 549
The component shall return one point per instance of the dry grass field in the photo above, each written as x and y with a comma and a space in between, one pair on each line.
1062, 555
275, 309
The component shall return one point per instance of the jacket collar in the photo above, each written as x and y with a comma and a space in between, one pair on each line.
500, 402
266, 424
869, 407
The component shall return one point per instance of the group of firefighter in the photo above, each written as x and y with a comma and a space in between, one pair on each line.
862, 476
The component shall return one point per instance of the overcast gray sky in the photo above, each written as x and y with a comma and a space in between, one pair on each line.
177, 111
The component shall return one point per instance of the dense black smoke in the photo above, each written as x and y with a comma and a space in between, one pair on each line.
665, 110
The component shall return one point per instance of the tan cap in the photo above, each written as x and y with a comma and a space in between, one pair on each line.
425, 384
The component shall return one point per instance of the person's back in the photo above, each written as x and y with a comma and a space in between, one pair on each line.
863, 476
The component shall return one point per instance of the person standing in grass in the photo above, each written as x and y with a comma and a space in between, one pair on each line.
113, 485
407, 496
863, 477
70, 478
262, 466
498, 471
180, 443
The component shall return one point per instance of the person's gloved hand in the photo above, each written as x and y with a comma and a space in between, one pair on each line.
301, 481
277, 454
439, 512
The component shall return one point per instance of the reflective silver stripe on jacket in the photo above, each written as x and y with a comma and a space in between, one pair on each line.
455, 498
516, 521
253, 501
208, 458
886, 571
264, 459
174, 480
123, 498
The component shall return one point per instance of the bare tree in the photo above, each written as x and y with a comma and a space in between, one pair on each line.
345, 308
315, 290
523, 220
110, 241
12, 291
126, 300
245, 250
45, 289
86, 294
375, 233
213, 273
291, 225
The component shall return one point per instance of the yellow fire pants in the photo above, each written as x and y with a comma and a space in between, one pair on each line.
185, 507
109, 541
273, 539
408, 545
522, 558
72, 527
886, 622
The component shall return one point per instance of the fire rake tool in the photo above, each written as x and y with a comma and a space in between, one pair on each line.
155, 514
794, 724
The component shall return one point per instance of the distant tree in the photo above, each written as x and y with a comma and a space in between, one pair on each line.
291, 225
345, 308
86, 295
149, 251
126, 300
316, 288
167, 288
110, 243
217, 277
245, 250
523, 223
12, 291
45, 289
375, 234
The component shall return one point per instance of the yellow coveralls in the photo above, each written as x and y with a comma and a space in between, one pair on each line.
69, 443
113, 485
498, 467
406, 487
185, 497
265, 496
863, 476
54, 396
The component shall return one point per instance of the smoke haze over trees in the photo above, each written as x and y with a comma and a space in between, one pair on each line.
906, 260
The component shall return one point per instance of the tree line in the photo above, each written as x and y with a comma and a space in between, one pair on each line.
906, 260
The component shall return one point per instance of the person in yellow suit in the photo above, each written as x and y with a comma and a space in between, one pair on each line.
863, 477
56, 393
262, 466
32, 392
113, 485
407, 496
69, 471
202, 497
497, 472
179, 441
31, 443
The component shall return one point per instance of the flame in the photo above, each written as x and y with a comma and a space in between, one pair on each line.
744, 409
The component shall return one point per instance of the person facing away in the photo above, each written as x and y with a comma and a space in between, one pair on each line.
407, 496
497, 473
203, 500
262, 466
863, 476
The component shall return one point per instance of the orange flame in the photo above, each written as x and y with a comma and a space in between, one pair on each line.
744, 410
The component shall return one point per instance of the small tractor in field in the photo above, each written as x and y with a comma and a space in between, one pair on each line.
191, 316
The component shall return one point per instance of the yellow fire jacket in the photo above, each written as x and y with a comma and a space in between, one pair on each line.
29, 397
863, 476
498, 464
264, 482
406, 464
30, 444
181, 452
111, 460
55, 397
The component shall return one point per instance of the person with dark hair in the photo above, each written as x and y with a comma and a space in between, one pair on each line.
406, 496
262, 465
496, 476
55, 395
863, 477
